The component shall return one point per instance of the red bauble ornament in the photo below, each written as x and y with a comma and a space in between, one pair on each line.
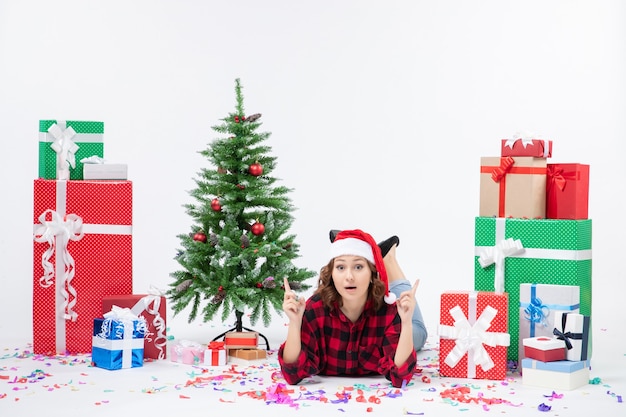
257, 229
259, 285
199, 237
215, 204
236, 119
255, 169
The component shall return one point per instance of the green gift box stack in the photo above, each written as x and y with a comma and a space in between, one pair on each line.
551, 251
87, 136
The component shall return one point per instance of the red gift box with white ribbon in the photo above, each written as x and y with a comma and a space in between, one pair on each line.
82, 252
473, 334
524, 146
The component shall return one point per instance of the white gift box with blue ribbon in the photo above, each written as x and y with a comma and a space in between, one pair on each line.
118, 340
540, 305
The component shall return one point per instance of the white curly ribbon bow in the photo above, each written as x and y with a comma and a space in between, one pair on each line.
470, 336
64, 147
151, 304
57, 232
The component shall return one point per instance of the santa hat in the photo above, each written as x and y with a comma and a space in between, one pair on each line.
358, 243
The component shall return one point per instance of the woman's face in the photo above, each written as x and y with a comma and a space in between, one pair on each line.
351, 276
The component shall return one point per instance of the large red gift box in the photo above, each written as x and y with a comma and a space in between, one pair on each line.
513, 187
82, 253
473, 334
152, 308
567, 193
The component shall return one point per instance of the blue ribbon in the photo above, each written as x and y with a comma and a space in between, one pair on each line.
537, 312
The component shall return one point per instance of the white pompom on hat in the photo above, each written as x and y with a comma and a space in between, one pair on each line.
358, 243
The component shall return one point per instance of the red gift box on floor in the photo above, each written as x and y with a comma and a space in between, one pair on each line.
544, 349
82, 252
152, 308
513, 187
567, 191
538, 148
241, 340
473, 338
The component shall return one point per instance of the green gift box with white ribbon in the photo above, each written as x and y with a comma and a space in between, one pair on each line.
63, 144
511, 251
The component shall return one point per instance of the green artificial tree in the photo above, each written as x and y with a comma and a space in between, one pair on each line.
240, 247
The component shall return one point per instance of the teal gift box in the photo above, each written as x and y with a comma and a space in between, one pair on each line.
118, 344
509, 252
86, 138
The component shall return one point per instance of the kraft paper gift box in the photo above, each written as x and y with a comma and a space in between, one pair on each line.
241, 340
63, 144
573, 329
567, 191
152, 307
537, 148
473, 336
509, 252
248, 354
187, 352
82, 252
558, 375
105, 171
539, 305
215, 354
118, 340
544, 349
513, 187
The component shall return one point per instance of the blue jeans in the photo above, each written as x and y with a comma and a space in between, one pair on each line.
419, 328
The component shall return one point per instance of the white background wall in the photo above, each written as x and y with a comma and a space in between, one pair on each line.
379, 113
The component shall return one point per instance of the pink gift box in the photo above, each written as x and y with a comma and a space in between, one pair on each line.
187, 352
473, 338
545, 349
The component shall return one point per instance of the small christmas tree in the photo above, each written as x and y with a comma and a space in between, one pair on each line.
240, 248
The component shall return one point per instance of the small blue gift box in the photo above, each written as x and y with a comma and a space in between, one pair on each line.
118, 343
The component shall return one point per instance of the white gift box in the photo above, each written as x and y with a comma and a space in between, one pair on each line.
539, 305
558, 375
105, 171
215, 357
573, 329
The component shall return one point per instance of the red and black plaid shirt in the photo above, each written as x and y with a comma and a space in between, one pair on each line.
333, 345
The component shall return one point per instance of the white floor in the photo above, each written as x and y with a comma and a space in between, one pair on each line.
70, 386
